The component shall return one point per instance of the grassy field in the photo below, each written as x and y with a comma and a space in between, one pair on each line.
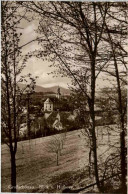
36, 165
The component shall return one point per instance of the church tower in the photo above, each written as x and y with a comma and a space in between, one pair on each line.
58, 95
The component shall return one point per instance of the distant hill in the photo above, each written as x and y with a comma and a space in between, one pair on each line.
49, 89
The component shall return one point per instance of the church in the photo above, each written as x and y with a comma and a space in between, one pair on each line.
50, 104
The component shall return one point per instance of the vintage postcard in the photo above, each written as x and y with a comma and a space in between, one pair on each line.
63, 96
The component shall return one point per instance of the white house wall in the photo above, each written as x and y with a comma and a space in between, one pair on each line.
48, 107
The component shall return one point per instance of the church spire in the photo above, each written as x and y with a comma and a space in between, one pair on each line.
58, 93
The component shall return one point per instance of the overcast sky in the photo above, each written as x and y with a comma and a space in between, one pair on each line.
38, 67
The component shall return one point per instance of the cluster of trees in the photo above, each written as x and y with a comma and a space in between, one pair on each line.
84, 40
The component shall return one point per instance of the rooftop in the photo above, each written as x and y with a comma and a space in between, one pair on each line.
48, 101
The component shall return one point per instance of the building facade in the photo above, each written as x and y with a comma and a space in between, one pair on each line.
48, 105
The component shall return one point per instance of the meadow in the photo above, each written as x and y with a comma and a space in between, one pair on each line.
36, 165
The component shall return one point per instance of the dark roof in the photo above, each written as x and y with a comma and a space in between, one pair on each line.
48, 100
52, 98
63, 117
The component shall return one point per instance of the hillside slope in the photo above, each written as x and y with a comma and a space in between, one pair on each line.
36, 164
37, 171
49, 90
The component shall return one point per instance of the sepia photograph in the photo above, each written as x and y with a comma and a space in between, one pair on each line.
64, 96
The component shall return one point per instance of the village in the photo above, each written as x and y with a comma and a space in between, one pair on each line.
50, 115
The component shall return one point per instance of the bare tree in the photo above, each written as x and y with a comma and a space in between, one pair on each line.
78, 36
72, 39
56, 145
12, 109
116, 40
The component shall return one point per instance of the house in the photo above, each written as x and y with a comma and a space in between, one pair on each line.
48, 105
60, 121
23, 132
57, 123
